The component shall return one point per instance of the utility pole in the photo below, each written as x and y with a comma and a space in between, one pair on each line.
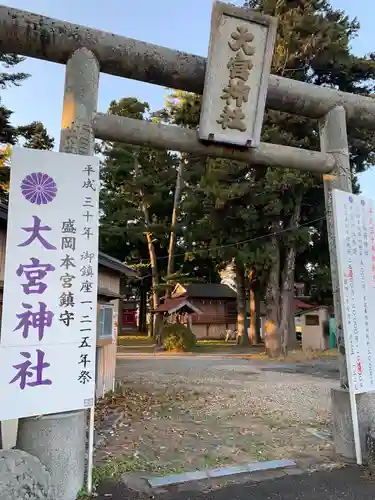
172, 239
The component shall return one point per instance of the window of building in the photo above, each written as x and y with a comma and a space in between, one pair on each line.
231, 308
312, 320
106, 321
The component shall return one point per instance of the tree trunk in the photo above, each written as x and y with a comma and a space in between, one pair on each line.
257, 300
241, 303
155, 281
272, 338
154, 272
288, 279
172, 239
142, 319
252, 335
292, 338
286, 297
153, 261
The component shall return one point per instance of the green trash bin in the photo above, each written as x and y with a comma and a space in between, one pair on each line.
332, 333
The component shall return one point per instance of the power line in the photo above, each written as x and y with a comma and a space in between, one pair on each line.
241, 242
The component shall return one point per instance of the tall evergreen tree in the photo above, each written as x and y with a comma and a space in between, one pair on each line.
219, 208
137, 200
35, 134
8, 133
313, 45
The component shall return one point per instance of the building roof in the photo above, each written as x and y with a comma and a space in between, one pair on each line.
311, 309
104, 259
209, 291
105, 292
176, 304
300, 304
109, 262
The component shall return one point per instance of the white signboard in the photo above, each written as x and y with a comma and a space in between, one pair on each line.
238, 67
48, 333
355, 239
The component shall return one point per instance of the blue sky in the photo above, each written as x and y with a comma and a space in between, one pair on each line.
181, 24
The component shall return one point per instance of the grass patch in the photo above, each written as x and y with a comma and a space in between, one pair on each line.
229, 348
133, 341
213, 347
83, 495
216, 341
115, 468
211, 462
135, 338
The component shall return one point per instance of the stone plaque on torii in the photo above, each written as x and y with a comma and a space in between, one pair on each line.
87, 52
238, 67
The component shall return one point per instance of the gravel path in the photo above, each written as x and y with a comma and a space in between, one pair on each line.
206, 411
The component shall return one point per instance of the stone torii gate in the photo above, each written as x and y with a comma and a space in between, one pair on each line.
87, 52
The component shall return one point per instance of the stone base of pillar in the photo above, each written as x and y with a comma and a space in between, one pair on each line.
59, 443
342, 426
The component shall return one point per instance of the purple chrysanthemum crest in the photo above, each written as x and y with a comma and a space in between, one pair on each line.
38, 188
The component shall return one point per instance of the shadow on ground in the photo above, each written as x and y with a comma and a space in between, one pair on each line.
317, 368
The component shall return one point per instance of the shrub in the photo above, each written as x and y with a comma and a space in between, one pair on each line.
177, 337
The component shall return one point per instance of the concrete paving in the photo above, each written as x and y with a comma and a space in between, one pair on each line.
349, 483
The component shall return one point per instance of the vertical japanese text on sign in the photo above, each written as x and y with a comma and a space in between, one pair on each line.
50, 285
237, 92
236, 79
354, 225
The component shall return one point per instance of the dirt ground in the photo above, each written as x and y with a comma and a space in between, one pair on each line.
191, 412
